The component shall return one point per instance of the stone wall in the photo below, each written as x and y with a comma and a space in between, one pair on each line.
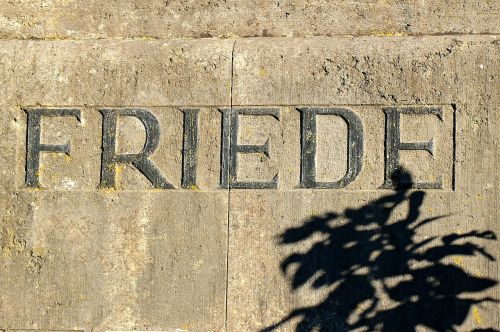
236, 224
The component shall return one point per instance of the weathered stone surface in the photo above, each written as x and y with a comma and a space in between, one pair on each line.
374, 71
111, 260
78, 256
364, 75
112, 73
257, 221
64, 19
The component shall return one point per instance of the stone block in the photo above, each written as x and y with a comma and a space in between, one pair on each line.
242, 18
78, 256
152, 219
309, 244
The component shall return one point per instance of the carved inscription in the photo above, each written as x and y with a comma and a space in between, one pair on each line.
360, 139
393, 144
231, 148
34, 146
308, 139
140, 160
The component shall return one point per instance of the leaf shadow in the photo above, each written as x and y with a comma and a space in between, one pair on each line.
380, 274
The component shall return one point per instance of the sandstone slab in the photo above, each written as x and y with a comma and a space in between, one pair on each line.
236, 18
75, 256
258, 240
287, 238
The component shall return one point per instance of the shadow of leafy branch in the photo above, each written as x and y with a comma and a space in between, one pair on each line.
382, 276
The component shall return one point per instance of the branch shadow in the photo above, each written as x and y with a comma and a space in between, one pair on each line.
382, 276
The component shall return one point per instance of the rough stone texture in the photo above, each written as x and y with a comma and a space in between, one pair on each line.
84, 260
78, 258
462, 72
67, 19
112, 73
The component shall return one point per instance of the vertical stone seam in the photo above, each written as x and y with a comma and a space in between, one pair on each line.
454, 147
226, 302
